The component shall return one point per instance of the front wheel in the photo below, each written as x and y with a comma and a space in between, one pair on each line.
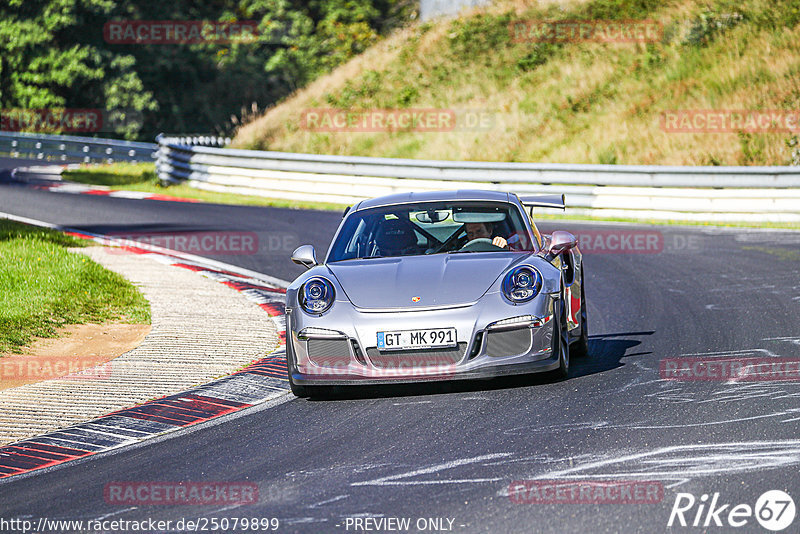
298, 390
580, 348
305, 392
561, 341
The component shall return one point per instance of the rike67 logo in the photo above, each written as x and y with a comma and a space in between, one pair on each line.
774, 510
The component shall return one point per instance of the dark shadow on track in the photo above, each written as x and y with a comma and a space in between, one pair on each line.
605, 353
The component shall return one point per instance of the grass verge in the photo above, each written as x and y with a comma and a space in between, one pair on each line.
141, 177
113, 175
569, 102
43, 286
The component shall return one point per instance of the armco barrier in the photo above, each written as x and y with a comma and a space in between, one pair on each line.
757, 194
70, 149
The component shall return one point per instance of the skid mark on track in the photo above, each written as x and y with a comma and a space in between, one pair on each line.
401, 479
328, 501
681, 463
560, 427
730, 391
794, 340
673, 465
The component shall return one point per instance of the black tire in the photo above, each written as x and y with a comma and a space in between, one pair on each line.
298, 390
561, 341
580, 348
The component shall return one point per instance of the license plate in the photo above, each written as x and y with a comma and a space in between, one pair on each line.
429, 338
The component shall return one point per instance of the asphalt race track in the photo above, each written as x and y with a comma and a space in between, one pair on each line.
451, 451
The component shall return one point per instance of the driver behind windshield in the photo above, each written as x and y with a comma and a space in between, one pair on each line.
483, 230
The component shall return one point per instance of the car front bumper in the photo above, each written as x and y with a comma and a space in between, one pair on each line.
341, 349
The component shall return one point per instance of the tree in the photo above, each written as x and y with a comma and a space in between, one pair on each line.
53, 54
50, 61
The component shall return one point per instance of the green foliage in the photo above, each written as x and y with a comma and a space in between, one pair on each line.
621, 9
539, 55
753, 146
479, 37
708, 24
369, 84
763, 14
53, 55
607, 156
793, 144
49, 59
406, 96
318, 36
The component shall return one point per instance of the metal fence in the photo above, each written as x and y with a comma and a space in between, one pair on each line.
641, 192
69, 149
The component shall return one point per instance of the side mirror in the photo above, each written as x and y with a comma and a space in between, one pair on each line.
560, 242
305, 255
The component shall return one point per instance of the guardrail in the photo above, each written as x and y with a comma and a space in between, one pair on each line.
69, 149
757, 194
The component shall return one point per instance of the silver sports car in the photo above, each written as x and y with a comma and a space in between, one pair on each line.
436, 286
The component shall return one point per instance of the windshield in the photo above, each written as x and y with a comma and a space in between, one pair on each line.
431, 228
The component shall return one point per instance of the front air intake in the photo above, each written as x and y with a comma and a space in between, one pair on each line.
329, 352
509, 343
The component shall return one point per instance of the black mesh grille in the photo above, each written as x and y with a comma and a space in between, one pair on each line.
508, 343
329, 352
410, 359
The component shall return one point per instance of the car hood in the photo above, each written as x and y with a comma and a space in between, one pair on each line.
438, 279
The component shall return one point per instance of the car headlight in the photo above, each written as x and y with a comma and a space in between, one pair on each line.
522, 284
316, 295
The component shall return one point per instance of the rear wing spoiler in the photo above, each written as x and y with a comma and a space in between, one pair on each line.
544, 201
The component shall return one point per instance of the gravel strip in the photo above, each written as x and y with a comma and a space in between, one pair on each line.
201, 330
